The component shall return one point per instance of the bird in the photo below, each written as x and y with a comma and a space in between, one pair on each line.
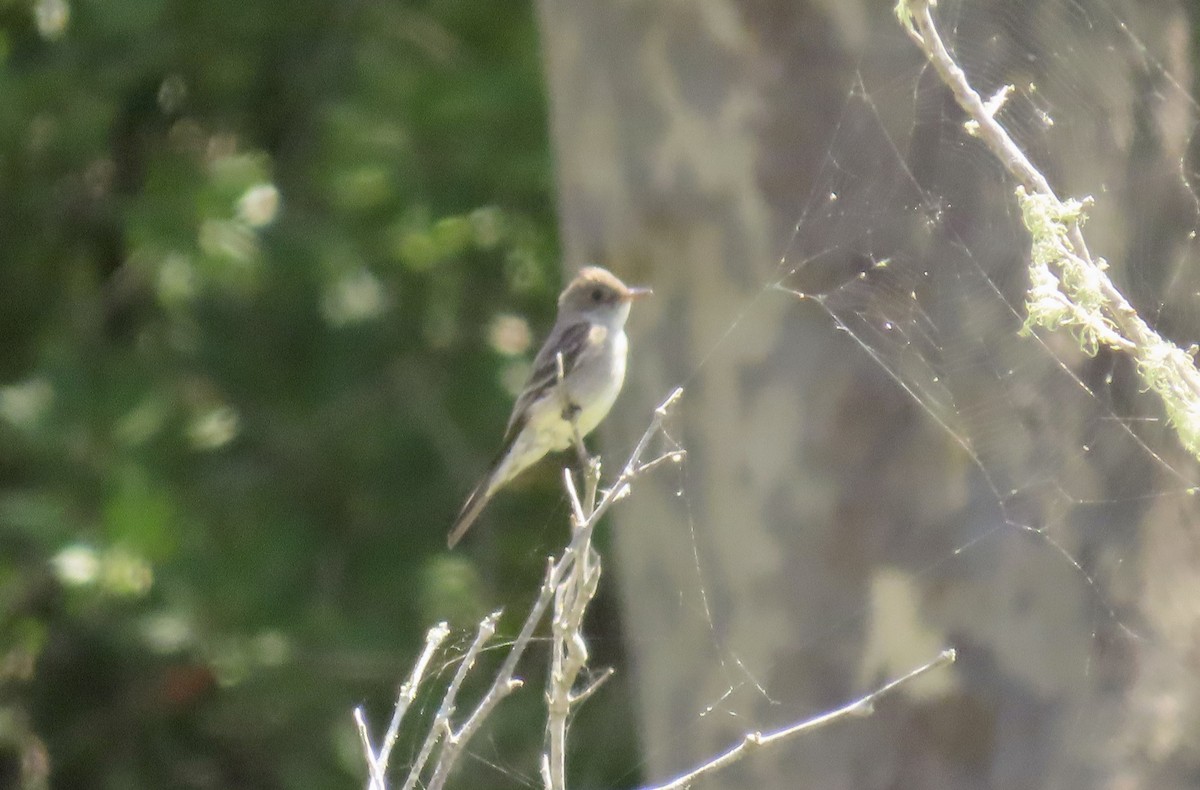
589, 336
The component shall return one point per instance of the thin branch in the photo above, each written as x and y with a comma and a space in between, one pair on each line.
573, 495
377, 763
502, 685
578, 558
674, 457
863, 706
593, 687
986, 127
621, 486
591, 479
408, 692
364, 735
1069, 289
441, 720
572, 596
575, 590
660, 415
569, 653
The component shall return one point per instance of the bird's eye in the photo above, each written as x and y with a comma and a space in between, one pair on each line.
597, 294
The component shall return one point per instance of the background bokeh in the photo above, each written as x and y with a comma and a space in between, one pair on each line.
268, 272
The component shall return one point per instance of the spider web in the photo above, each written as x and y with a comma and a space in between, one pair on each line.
1029, 497
1046, 530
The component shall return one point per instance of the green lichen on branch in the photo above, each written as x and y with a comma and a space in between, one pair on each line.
1170, 372
1067, 291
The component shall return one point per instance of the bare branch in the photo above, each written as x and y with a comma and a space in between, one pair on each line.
573, 495
408, 692
863, 706
360, 722
575, 590
660, 414
631, 472
377, 763
674, 457
579, 561
988, 129
572, 596
502, 685
593, 687
569, 653
441, 721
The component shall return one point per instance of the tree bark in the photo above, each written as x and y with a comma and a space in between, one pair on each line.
835, 527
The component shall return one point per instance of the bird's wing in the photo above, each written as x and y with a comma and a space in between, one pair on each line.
571, 342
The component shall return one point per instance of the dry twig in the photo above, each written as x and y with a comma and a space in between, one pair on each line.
377, 762
570, 583
752, 741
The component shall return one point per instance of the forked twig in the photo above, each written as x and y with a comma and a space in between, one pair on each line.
570, 582
377, 762
441, 720
575, 591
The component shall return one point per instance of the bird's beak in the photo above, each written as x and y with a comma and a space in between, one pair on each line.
633, 294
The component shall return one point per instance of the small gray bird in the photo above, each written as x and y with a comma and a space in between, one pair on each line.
589, 334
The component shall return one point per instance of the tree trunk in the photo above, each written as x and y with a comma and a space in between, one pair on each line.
854, 501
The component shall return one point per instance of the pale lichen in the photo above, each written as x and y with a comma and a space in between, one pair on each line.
1170, 372
1068, 288
1064, 290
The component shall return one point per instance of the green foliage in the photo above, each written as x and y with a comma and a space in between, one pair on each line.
252, 255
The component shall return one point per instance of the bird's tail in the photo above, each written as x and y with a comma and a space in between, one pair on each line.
470, 510
505, 467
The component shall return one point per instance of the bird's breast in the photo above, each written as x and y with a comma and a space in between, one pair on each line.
598, 384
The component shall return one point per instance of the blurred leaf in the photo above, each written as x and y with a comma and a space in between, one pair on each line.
230, 235
141, 515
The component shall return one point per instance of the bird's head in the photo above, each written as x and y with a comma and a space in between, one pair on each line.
598, 293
